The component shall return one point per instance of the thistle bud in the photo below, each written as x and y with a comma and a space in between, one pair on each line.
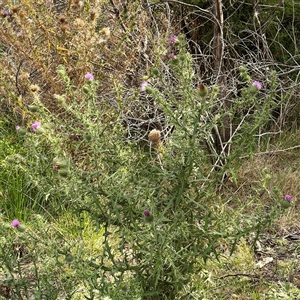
63, 163
22, 132
33, 108
21, 228
69, 258
87, 137
154, 72
63, 173
86, 89
147, 216
202, 90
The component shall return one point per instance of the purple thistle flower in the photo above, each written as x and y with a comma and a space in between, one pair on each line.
147, 213
171, 56
89, 76
5, 12
288, 198
18, 127
15, 223
143, 86
35, 125
173, 39
257, 84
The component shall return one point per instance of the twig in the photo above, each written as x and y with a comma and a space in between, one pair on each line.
271, 152
237, 274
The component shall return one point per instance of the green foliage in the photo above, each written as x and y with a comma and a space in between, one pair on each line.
138, 218
115, 181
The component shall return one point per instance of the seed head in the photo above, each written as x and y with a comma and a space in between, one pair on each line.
62, 19
34, 88
79, 23
15, 9
105, 31
22, 14
93, 14
64, 27
24, 76
154, 136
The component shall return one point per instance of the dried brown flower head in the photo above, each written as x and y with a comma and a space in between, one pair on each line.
154, 136
64, 27
105, 31
93, 14
62, 19
79, 23
34, 88
15, 9
24, 76
22, 14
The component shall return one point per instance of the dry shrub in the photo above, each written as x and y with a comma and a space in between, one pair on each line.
107, 38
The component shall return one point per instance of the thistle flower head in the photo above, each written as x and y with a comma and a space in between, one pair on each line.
105, 31
288, 198
143, 86
171, 55
89, 76
15, 9
34, 88
79, 23
173, 39
15, 223
5, 13
18, 127
257, 84
147, 213
35, 125
154, 136
62, 19
93, 14
202, 91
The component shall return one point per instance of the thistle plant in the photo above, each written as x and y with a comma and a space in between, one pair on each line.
158, 219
